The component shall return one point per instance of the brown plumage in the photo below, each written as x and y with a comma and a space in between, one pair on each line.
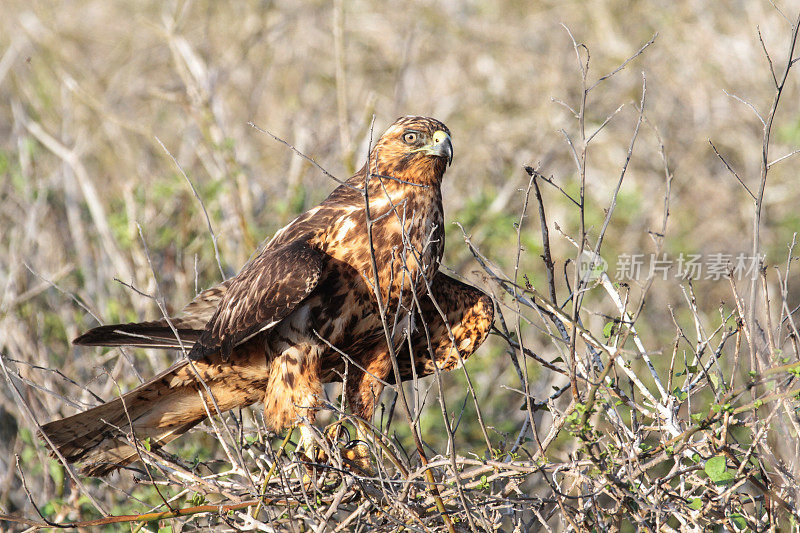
275, 332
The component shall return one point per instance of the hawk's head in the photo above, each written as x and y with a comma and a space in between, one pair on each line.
413, 149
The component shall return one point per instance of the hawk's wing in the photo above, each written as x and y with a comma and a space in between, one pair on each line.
261, 295
469, 313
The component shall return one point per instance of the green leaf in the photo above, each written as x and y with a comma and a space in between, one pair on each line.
715, 467
696, 504
608, 330
146, 444
698, 417
196, 499
738, 521
717, 470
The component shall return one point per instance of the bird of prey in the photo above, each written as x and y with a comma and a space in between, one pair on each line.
334, 288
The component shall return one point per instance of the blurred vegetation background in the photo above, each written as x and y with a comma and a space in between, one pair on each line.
89, 90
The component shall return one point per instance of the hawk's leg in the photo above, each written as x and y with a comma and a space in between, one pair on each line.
293, 390
363, 388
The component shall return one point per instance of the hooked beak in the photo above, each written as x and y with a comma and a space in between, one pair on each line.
441, 146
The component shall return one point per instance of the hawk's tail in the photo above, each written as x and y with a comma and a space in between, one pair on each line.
116, 433
106, 437
178, 333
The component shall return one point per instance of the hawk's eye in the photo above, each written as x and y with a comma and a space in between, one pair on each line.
410, 137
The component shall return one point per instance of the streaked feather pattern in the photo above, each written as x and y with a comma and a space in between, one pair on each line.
266, 334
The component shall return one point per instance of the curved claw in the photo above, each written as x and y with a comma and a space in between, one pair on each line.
357, 455
355, 452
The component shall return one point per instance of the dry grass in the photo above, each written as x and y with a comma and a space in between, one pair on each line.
705, 436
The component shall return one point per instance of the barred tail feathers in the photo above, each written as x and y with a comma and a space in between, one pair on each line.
160, 410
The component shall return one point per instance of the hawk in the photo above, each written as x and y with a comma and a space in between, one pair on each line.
330, 290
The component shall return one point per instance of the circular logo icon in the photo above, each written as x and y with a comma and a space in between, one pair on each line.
591, 266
